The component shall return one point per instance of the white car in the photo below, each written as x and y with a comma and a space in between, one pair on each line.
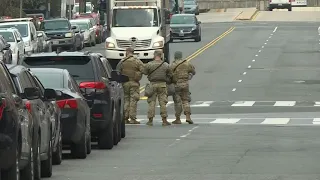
14, 38
89, 32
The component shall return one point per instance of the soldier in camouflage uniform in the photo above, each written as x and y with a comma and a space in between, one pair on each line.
133, 68
182, 70
158, 81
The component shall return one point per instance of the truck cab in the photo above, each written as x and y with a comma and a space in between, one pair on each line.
143, 25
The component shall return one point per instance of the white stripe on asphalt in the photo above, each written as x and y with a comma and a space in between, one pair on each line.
225, 121
243, 103
276, 121
316, 121
203, 104
285, 103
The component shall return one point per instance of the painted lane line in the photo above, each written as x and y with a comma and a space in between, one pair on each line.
271, 34
267, 40
249, 67
243, 103
317, 103
253, 60
234, 89
265, 43
275, 29
225, 121
257, 55
285, 103
262, 47
316, 121
276, 121
240, 80
270, 37
183, 136
259, 51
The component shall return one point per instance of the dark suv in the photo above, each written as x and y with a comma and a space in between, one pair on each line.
14, 130
61, 33
95, 85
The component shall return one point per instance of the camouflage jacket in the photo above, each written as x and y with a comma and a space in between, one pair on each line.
131, 67
181, 70
162, 74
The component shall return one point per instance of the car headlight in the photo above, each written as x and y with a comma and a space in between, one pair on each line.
194, 28
68, 35
158, 44
110, 45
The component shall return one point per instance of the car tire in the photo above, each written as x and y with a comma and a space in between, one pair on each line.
46, 165
198, 38
57, 156
36, 159
270, 9
13, 173
116, 129
290, 9
105, 140
79, 150
28, 172
119, 120
89, 144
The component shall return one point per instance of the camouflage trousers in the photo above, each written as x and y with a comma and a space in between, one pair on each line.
181, 99
160, 92
131, 98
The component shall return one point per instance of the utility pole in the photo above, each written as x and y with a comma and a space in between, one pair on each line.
81, 5
21, 4
85, 6
70, 14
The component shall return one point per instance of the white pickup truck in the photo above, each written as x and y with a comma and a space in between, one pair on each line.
280, 4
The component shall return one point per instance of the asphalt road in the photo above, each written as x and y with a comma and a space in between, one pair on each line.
255, 105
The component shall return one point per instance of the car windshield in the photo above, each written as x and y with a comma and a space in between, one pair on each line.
82, 25
50, 80
22, 28
8, 36
190, 3
182, 19
145, 17
55, 25
79, 67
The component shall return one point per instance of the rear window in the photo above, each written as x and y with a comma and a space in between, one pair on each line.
50, 80
79, 67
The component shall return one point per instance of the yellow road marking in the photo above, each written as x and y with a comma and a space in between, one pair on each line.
199, 51
255, 16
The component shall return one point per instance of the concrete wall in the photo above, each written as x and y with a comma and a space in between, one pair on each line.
261, 5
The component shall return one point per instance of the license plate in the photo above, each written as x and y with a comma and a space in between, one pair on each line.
55, 42
279, 4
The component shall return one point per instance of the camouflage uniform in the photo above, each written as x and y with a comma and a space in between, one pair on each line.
133, 68
181, 74
158, 80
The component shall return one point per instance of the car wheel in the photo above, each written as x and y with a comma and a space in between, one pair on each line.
36, 159
13, 173
119, 120
198, 38
46, 165
89, 143
115, 128
79, 150
57, 156
289, 9
105, 140
28, 172
123, 129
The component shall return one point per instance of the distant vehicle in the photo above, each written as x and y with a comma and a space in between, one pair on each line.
27, 30
80, 33
76, 8
13, 37
95, 85
75, 117
5, 51
44, 41
95, 21
299, 3
185, 26
191, 7
61, 33
89, 33
280, 4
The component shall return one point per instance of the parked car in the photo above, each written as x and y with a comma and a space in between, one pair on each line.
15, 152
95, 21
5, 51
118, 89
44, 41
191, 7
41, 112
95, 85
14, 38
89, 33
75, 117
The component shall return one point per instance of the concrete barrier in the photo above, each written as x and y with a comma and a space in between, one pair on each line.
247, 14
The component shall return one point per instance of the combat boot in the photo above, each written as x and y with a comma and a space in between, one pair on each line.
177, 121
188, 119
165, 122
126, 120
134, 121
150, 122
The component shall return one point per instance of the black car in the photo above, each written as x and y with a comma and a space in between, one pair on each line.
185, 26
95, 85
41, 112
16, 127
118, 89
75, 117
61, 33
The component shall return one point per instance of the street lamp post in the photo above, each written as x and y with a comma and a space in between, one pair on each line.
21, 3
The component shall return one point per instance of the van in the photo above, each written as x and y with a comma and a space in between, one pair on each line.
27, 30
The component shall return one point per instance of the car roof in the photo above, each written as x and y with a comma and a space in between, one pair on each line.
7, 29
183, 15
63, 53
55, 19
49, 70
80, 19
15, 22
15, 69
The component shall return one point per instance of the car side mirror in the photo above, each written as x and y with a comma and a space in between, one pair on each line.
31, 93
17, 100
50, 94
7, 47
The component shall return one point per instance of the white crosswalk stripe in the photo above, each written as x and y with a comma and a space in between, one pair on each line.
248, 103
276, 121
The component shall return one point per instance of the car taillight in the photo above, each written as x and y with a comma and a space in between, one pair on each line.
28, 106
68, 104
92, 85
3, 105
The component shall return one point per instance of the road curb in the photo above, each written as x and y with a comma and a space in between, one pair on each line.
244, 15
